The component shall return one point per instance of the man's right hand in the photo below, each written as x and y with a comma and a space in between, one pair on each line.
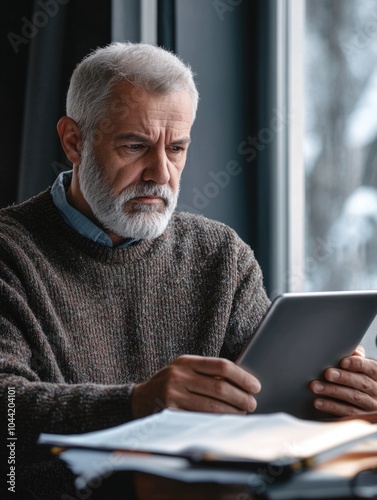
199, 384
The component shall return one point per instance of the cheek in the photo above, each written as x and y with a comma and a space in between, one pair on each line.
123, 176
176, 171
175, 178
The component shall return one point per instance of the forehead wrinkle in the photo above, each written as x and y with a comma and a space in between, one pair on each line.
163, 119
148, 128
151, 136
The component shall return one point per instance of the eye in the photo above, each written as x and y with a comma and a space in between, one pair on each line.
176, 149
134, 147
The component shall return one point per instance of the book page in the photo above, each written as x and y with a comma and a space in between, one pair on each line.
89, 465
258, 437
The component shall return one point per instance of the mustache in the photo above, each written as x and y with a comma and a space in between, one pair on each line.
147, 188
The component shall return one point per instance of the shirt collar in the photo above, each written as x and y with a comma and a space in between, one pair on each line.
78, 221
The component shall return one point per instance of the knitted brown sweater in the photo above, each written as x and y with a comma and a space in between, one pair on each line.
81, 323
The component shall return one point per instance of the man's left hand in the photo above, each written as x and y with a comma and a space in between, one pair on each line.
353, 386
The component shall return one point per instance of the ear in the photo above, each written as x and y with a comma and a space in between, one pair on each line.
70, 138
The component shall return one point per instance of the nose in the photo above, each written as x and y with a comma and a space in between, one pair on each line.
157, 169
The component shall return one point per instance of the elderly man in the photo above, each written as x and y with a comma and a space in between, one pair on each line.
113, 304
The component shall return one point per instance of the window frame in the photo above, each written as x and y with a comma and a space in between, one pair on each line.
287, 169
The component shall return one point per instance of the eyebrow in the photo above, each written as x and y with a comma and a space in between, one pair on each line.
145, 140
182, 142
131, 137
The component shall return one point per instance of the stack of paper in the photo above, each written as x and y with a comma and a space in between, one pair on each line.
210, 447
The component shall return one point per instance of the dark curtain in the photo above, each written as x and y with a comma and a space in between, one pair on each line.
41, 43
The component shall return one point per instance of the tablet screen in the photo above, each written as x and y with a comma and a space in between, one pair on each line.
301, 335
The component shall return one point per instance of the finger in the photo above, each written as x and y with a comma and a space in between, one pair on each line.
220, 367
198, 402
336, 408
348, 395
358, 364
178, 385
359, 381
221, 390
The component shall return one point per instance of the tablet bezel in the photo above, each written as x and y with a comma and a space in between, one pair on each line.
286, 357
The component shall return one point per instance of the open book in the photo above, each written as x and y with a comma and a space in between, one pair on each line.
225, 441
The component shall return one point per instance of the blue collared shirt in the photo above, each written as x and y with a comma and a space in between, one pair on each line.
76, 219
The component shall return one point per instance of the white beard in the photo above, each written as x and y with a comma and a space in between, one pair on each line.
136, 220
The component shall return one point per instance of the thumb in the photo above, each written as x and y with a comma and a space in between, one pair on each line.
359, 351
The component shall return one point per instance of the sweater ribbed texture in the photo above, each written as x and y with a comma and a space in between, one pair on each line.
81, 323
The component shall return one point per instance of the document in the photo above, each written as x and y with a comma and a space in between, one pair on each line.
89, 465
338, 477
205, 437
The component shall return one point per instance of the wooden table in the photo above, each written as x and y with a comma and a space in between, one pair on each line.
150, 487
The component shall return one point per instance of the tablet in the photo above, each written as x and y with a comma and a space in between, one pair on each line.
301, 335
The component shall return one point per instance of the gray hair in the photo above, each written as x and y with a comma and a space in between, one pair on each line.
152, 68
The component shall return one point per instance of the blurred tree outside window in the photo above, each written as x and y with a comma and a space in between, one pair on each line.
340, 144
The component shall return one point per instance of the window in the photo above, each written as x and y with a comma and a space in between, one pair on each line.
340, 144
